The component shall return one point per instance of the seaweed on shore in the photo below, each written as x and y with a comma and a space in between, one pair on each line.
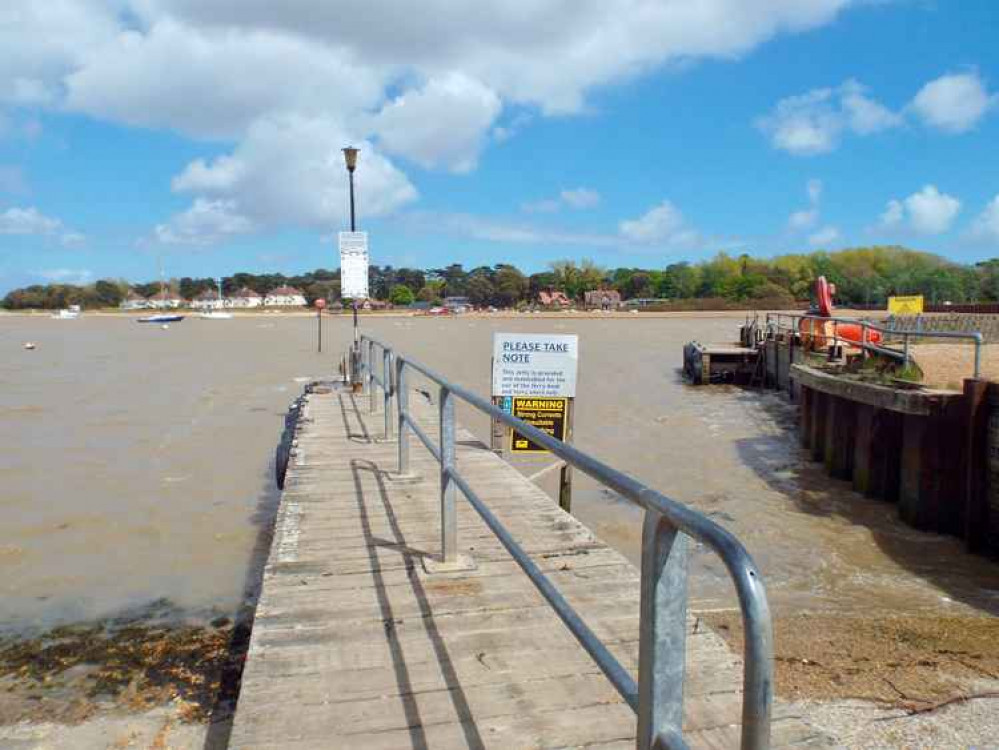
69, 672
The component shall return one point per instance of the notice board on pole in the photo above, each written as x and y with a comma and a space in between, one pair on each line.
535, 364
354, 265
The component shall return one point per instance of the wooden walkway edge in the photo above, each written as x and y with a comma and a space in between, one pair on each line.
354, 645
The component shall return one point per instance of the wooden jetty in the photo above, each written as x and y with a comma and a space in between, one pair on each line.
356, 645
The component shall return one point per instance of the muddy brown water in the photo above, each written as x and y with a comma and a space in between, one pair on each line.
137, 464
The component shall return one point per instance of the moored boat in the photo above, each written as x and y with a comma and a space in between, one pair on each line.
161, 319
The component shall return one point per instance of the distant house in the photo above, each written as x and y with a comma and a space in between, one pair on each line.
208, 299
602, 299
246, 297
165, 299
285, 296
457, 304
553, 298
134, 301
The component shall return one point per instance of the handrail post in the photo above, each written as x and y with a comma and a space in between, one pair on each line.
662, 632
449, 509
978, 354
387, 391
371, 377
402, 404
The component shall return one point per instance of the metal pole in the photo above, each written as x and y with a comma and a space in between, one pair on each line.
372, 404
905, 349
319, 317
662, 634
402, 400
387, 391
449, 509
978, 355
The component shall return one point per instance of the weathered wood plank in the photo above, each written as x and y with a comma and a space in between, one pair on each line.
355, 645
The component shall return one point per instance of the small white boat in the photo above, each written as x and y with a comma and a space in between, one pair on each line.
70, 313
209, 314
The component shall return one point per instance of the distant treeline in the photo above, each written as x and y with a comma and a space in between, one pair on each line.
866, 275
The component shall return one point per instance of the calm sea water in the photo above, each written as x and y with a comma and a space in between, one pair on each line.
137, 462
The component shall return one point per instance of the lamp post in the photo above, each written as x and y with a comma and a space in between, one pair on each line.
350, 157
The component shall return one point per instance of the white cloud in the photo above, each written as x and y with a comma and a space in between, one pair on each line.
865, 115
814, 190
807, 218
813, 123
662, 224
214, 83
206, 222
27, 221
927, 212
428, 85
580, 199
986, 225
953, 103
894, 214
499, 230
444, 123
290, 170
67, 275
73, 239
824, 237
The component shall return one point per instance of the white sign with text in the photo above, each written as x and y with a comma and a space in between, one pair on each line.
535, 364
354, 265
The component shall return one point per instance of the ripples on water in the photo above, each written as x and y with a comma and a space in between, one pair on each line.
137, 463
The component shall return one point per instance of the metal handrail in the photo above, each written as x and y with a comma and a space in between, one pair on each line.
657, 697
773, 320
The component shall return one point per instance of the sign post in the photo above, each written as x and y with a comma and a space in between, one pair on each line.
354, 286
534, 379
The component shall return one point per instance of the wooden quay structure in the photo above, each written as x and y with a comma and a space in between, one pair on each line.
438, 599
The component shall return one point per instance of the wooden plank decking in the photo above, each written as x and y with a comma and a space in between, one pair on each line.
356, 646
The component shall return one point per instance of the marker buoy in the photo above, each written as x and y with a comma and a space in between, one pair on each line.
29, 345
165, 327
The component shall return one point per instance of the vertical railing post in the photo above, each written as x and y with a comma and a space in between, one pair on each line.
371, 377
449, 509
662, 631
978, 355
402, 404
387, 391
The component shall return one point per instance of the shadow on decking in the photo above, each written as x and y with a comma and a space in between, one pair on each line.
363, 436
412, 558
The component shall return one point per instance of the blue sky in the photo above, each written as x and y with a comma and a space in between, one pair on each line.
206, 134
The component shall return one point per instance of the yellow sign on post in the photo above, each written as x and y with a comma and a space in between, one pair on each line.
912, 305
547, 414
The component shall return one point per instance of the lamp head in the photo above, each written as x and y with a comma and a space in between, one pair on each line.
350, 156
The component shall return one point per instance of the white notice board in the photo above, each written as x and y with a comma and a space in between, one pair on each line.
354, 265
532, 364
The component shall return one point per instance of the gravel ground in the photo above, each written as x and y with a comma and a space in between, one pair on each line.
860, 725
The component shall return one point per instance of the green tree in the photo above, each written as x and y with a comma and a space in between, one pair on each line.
401, 295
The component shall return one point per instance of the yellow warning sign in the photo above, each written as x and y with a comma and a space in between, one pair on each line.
912, 305
547, 414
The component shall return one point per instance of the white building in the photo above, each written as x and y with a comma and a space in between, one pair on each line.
246, 297
165, 299
207, 300
134, 301
285, 296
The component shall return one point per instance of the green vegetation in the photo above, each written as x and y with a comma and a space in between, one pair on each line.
866, 275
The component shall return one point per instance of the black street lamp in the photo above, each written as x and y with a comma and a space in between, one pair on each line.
350, 157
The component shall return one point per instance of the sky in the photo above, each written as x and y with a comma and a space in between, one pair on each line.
205, 135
